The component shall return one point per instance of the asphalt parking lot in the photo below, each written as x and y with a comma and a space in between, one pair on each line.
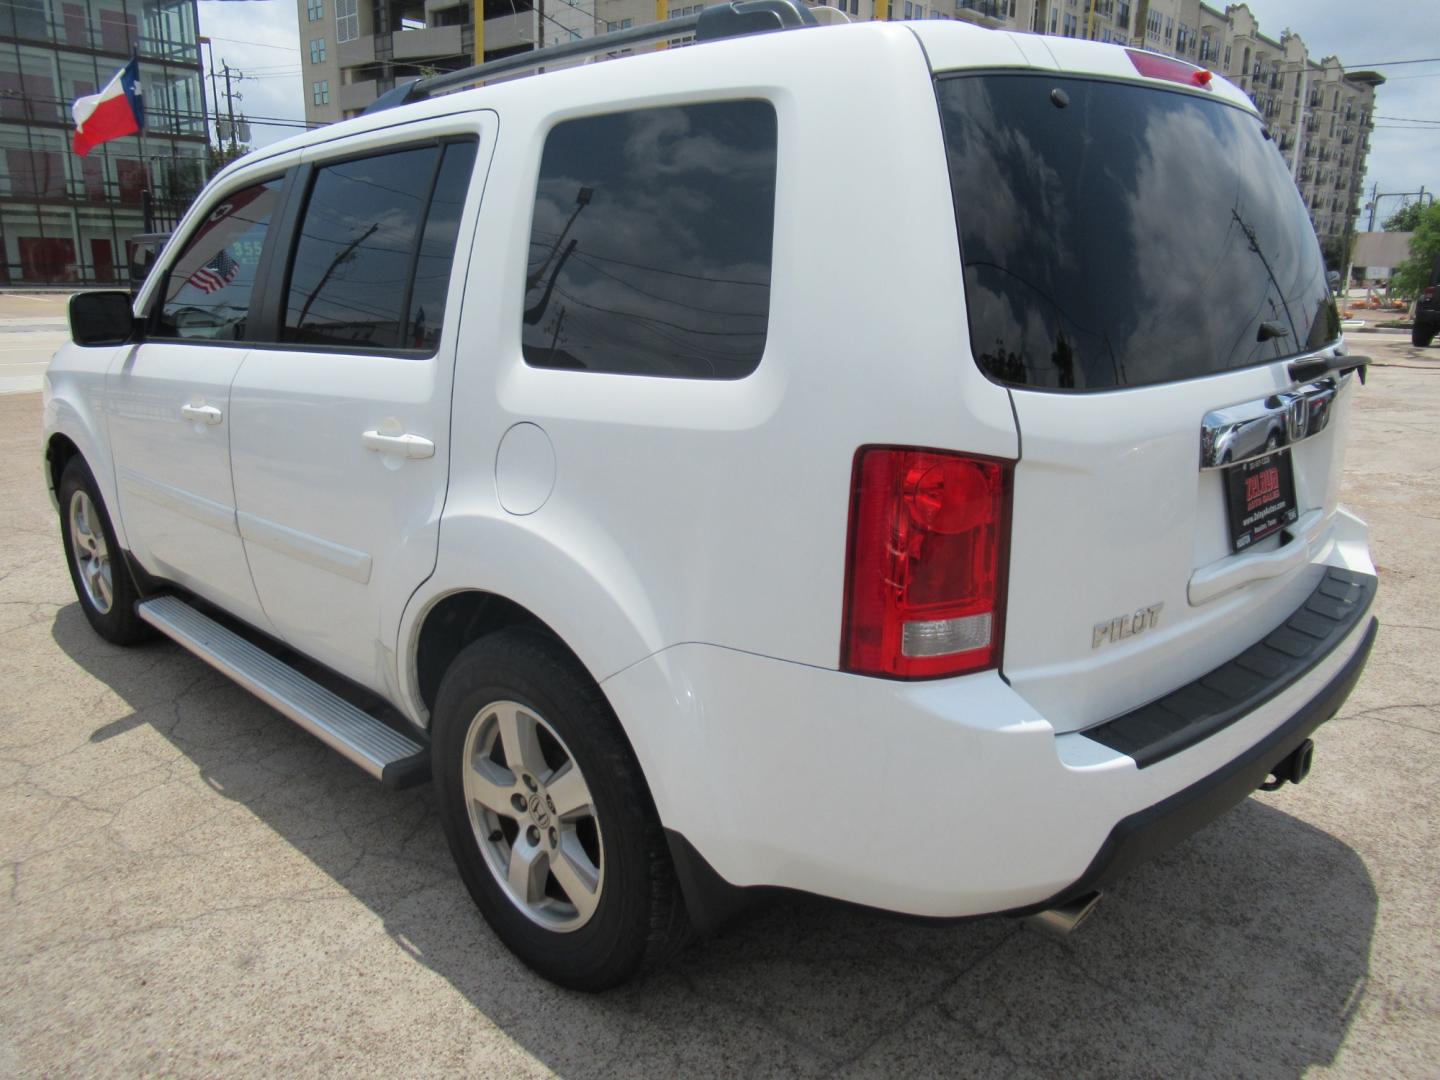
190, 885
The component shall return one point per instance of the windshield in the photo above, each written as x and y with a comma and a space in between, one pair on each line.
1119, 235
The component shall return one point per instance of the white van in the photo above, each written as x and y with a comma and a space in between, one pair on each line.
822, 460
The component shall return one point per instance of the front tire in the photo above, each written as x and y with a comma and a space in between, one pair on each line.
103, 585
548, 816
1421, 337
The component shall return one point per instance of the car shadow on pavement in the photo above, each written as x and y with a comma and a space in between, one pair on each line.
1242, 951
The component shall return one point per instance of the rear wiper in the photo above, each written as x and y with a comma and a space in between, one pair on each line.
1270, 330
1302, 371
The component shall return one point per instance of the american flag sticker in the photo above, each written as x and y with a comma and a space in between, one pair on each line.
216, 274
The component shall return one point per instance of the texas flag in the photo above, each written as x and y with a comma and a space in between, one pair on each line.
117, 110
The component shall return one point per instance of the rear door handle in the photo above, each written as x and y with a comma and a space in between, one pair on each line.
415, 447
207, 414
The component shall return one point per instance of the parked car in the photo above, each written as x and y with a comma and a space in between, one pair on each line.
1427, 311
795, 461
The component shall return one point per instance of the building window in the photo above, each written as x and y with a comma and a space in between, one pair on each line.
314, 10
347, 20
690, 298
321, 92
317, 50
623, 24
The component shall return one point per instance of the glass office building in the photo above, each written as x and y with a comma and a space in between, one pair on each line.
64, 219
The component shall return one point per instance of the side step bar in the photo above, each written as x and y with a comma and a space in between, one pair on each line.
395, 759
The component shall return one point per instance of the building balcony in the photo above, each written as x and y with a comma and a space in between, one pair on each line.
429, 43
356, 53
508, 31
357, 95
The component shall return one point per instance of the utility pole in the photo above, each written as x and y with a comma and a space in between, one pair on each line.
230, 106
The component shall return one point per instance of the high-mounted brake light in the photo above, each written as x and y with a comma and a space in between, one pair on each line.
1155, 66
925, 575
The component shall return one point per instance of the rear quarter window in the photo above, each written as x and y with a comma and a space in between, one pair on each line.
650, 245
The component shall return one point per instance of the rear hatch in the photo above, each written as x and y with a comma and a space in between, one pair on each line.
1140, 268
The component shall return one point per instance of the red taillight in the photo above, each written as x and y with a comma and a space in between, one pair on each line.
1429, 293
925, 575
1155, 66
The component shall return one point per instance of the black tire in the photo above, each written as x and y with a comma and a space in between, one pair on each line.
118, 623
639, 917
1422, 337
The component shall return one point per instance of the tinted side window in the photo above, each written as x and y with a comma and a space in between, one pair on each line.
651, 242
356, 247
207, 292
437, 248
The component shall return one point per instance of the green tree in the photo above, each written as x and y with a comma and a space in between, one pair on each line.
1414, 273
1403, 220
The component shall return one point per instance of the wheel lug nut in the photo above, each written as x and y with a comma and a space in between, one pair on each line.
518, 802
553, 838
550, 803
529, 781
533, 835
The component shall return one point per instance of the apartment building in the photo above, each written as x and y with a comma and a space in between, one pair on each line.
1320, 114
65, 219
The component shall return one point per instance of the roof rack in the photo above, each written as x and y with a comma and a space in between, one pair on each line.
735, 19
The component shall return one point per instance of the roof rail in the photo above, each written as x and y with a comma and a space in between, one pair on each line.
735, 19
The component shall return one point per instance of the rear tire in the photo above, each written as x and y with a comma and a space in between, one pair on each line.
1422, 337
520, 688
98, 570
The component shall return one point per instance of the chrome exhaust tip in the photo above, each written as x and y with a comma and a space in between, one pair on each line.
1060, 922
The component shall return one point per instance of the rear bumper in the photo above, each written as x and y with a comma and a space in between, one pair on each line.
1149, 832
944, 799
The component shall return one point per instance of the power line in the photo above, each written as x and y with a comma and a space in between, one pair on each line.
1391, 63
1407, 119
260, 44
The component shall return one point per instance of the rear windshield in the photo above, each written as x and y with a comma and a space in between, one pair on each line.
1118, 235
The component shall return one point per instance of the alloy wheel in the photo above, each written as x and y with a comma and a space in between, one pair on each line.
92, 556
533, 816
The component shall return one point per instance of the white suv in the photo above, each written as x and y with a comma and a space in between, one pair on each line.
893, 462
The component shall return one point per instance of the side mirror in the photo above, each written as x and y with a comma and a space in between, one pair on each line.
103, 318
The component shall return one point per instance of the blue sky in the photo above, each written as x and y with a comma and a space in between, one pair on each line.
262, 40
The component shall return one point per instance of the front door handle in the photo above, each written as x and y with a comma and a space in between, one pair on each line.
415, 447
206, 414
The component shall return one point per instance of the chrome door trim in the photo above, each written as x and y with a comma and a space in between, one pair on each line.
1253, 429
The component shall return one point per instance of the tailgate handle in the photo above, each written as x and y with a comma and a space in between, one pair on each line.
1256, 429
1233, 571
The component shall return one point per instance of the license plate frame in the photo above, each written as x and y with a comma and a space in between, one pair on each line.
1260, 498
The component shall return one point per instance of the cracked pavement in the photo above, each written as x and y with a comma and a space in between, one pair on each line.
191, 885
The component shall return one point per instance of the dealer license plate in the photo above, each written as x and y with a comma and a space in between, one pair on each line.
1261, 498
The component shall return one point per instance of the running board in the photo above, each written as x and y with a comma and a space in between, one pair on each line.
395, 759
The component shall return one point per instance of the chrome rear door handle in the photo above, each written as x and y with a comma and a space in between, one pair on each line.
207, 414
415, 447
